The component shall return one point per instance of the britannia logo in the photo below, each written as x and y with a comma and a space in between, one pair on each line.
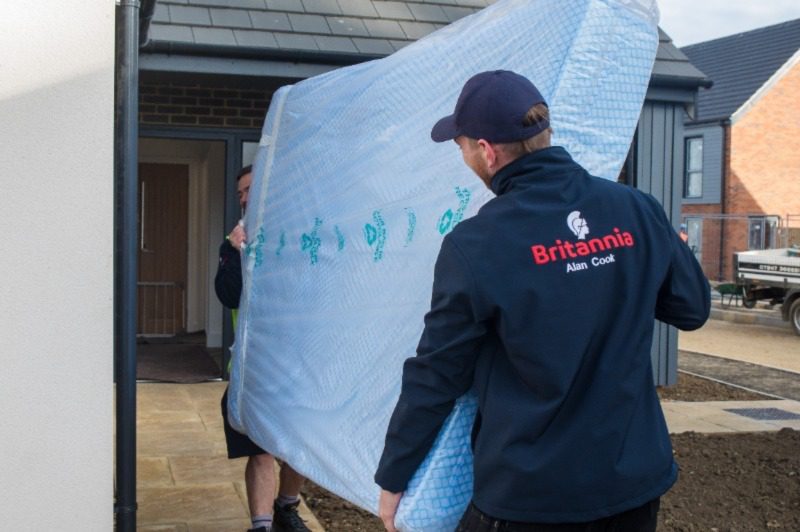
577, 225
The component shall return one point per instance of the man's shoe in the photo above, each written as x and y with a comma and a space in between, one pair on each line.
259, 529
286, 519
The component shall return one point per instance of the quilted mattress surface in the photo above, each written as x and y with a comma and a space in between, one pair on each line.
349, 205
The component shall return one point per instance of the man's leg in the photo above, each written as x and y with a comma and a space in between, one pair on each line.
286, 517
259, 479
259, 473
291, 481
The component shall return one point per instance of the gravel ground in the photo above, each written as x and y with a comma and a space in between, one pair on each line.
728, 482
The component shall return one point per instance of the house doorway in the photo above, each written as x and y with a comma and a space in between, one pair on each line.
181, 208
163, 237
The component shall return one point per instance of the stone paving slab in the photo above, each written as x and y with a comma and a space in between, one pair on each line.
185, 482
719, 416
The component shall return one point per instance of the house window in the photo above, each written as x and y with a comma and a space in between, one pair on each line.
249, 150
694, 231
762, 232
693, 175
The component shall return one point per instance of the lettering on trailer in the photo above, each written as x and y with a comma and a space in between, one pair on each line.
777, 268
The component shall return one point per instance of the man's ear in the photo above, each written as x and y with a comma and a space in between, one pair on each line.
489, 153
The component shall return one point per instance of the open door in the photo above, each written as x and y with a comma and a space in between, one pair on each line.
163, 249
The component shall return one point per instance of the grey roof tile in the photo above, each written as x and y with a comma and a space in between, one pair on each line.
428, 13
324, 7
286, 5
373, 46
242, 4
740, 64
161, 32
358, 8
214, 36
335, 44
394, 10
473, 3
270, 21
189, 15
231, 18
348, 26
417, 30
255, 39
161, 14
384, 29
302, 23
370, 27
398, 45
294, 41
454, 13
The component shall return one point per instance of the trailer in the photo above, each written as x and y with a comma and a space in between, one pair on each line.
772, 274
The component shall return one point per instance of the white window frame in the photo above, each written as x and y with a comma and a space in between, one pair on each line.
693, 175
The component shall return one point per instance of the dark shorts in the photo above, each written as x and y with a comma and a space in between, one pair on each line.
641, 519
239, 445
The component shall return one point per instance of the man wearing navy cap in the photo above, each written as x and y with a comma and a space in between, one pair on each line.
544, 303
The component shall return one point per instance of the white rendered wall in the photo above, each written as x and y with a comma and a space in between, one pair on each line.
56, 294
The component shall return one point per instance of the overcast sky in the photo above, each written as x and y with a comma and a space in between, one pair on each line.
693, 21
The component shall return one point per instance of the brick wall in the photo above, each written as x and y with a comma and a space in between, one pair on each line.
763, 174
173, 104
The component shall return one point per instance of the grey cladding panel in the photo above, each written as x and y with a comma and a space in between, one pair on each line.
713, 138
658, 150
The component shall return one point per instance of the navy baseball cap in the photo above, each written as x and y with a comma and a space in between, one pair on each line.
492, 106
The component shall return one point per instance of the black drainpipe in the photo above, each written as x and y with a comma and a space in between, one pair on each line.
726, 125
126, 132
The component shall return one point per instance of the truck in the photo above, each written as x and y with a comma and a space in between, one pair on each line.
772, 274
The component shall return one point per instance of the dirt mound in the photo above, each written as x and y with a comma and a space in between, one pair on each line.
728, 482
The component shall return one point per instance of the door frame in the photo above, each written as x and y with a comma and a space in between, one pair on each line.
233, 141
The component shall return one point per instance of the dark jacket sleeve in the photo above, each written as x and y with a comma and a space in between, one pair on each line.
228, 281
441, 372
684, 299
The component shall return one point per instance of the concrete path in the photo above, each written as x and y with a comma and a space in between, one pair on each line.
185, 481
187, 484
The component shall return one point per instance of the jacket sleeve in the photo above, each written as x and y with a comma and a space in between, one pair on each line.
228, 281
684, 299
441, 372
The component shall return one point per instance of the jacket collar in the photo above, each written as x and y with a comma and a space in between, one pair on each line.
548, 162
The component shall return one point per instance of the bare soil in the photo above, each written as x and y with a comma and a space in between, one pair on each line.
728, 482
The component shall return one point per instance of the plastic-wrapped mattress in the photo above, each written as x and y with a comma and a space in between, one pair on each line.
348, 208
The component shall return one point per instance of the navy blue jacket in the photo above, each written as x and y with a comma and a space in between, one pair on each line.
228, 281
545, 302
